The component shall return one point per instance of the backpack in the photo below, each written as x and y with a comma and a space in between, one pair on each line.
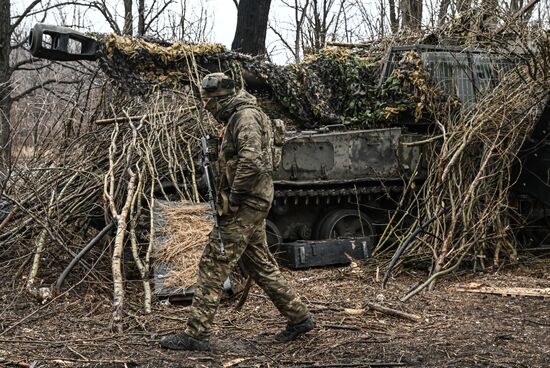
278, 129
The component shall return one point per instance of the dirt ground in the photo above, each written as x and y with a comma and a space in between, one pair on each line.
457, 329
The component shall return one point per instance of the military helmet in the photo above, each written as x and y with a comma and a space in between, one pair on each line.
217, 85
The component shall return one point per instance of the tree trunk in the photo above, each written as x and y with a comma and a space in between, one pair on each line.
251, 27
411, 14
299, 17
128, 20
394, 22
489, 18
119, 293
5, 87
141, 18
317, 29
442, 14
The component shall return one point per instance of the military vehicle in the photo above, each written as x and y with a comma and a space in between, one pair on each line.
339, 184
343, 184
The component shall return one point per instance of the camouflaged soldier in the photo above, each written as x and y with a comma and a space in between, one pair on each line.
245, 165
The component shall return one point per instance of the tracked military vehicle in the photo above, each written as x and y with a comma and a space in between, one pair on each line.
343, 184
335, 187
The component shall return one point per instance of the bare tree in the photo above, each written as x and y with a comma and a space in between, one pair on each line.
394, 20
371, 24
251, 29
442, 12
153, 19
299, 17
299, 9
7, 28
411, 14
141, 18
5, 88
521, 10
319, 20
189, 23
102, 7
127, 29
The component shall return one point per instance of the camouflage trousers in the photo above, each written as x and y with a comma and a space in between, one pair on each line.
244, 238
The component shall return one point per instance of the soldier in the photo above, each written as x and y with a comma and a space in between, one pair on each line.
245, 165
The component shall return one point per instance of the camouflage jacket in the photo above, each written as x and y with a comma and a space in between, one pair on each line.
246, 153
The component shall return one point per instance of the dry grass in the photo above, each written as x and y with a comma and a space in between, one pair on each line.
132, 46
186, 229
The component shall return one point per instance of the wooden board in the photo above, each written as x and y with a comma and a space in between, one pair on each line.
506, 291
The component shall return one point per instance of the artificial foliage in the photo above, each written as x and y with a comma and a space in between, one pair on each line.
334, 86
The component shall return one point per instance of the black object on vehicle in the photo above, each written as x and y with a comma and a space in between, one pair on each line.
304, 254
61, 43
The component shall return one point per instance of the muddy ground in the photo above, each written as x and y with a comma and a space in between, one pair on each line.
457, 329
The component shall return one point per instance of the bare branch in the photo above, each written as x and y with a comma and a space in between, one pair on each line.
148, 24
20, 63
102, 8
54, 6
20, 44
518, 14
20, 18
42, 85
283, 40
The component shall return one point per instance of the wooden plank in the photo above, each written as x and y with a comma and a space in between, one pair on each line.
506, 291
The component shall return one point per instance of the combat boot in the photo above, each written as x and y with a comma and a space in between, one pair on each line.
292, 331
183, 341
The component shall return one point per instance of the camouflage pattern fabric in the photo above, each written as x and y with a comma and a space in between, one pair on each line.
244, 238
246, 162
245, 165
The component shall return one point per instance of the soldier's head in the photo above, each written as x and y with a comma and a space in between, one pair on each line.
216, 88
217, 85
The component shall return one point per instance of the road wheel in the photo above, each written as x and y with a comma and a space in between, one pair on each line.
344, 223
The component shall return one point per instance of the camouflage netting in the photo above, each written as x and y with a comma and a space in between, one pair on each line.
334, 86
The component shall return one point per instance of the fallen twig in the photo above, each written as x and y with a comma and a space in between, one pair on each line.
341, 327
392, 312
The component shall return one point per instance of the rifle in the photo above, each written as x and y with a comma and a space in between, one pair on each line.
207, 152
